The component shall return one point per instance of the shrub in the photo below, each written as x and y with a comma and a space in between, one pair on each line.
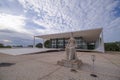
113, 46
39, 45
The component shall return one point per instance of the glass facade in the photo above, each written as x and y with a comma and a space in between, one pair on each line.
91, 45
62, 42
66, 42
81, 44
54, 42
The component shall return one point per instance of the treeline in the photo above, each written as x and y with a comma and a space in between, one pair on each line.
112, 46
39, 45
2, 46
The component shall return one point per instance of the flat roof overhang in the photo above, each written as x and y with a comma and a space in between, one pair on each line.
90, 35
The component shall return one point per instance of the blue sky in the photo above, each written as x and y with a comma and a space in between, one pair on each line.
20, 20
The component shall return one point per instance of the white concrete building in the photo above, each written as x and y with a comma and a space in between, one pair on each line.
87, 40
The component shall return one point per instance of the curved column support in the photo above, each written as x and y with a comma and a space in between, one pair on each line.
100, 44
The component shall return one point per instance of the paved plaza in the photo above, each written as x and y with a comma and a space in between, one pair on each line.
43, 66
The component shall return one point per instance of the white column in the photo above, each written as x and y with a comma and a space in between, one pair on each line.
34, 42
43, 43
100, 43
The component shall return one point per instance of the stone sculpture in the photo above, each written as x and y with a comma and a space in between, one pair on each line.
70, 49
71, 57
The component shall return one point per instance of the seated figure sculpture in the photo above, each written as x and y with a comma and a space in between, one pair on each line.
70, 49
71, 57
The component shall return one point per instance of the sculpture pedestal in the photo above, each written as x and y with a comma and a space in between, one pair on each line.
70, 63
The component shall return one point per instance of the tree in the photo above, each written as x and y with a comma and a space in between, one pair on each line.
1, 45
8, 46
39, 45
113, 46
47, 44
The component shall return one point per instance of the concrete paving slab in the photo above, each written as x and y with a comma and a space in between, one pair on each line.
44, 67
19, 51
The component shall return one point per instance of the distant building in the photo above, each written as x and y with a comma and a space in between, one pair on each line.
87, 40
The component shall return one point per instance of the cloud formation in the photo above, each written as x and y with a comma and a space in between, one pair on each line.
64, 15
37, 17
12, 22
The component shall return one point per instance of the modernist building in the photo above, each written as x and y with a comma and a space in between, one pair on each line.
87, 40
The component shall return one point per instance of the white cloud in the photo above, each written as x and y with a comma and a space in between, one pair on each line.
13, 23
7, 41
42, 23
81, 14
63, 15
